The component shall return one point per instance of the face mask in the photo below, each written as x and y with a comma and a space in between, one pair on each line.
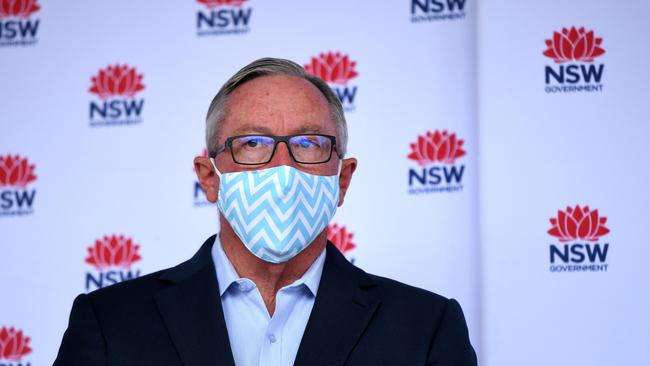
277, 212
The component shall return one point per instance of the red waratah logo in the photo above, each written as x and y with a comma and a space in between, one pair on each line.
117, 80
16, 171
332, 67
13, 344
578, 224
215, 3
18, 8
437, 147
340, 237
573, 44
113, 250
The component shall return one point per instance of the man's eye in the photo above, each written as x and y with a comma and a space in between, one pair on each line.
305, 143
253, 142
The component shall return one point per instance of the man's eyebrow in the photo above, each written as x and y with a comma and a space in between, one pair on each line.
308, 128
251, 128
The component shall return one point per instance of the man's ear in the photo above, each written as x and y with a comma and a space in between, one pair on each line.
207, 177
348, 166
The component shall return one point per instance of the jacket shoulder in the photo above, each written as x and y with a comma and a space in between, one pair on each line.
432, 321
399, 293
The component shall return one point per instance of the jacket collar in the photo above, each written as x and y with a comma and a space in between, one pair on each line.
191, 309
341, 313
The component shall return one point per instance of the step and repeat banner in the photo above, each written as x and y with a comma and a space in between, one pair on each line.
103, 110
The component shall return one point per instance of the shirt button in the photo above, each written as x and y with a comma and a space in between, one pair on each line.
272, 338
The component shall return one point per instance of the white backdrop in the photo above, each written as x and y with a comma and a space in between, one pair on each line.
102, 176
416, 120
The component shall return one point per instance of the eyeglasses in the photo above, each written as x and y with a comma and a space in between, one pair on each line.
259, 149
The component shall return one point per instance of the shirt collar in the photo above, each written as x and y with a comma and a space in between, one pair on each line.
227, 275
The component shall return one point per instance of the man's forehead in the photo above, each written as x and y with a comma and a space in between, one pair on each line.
277, 105
278, 87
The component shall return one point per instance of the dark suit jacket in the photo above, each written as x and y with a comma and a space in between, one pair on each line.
174, 317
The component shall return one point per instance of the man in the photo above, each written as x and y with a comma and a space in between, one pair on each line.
269, 289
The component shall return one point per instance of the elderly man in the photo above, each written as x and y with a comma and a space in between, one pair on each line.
268, 289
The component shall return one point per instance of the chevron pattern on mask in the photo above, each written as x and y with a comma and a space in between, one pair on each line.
279, 211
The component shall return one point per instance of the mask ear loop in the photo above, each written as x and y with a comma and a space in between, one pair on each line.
340, 167
214, 165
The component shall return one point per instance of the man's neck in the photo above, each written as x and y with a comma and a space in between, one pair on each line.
269, 277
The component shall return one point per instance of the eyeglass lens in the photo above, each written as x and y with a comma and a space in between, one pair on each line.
255, 149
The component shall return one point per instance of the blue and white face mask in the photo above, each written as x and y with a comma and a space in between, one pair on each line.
277, 212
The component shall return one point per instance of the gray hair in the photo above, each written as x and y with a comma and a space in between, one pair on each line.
265, 67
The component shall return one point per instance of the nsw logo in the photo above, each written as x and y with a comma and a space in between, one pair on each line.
112, 256
434, 10
574, 50
14, 345
336, 70
17, 26
16, 174
342, 239
578, 230
436, 154
115, 88
221, 17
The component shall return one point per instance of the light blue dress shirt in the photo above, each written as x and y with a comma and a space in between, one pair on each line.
257, 339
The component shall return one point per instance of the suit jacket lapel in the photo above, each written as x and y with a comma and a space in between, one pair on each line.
191, 310
341, 312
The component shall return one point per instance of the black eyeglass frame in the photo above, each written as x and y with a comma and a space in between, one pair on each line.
276, 140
